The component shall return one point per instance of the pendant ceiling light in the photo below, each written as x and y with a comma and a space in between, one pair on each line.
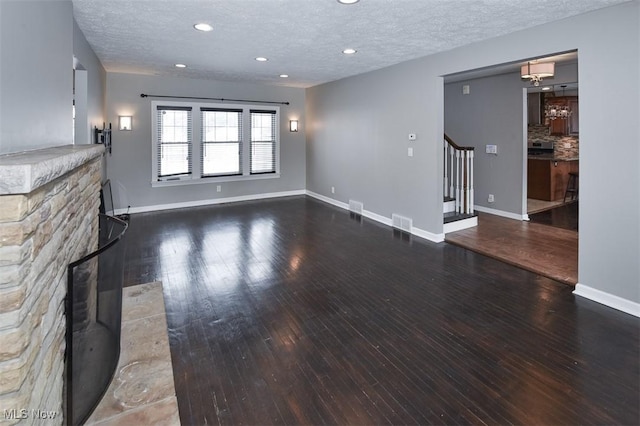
535, 71
559, 110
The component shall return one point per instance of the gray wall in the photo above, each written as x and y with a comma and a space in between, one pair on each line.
129, 167
492, 113
36, 51
96, 82
367, 118
358, 141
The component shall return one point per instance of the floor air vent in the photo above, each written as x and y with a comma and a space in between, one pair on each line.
355, 206
401, 222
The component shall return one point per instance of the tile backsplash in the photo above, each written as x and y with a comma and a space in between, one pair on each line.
564, 146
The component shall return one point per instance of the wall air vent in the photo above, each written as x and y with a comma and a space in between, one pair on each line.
355, 206
401, 222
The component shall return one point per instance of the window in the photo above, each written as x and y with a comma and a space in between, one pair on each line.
219, 151
174, 141
263, 141
221, 142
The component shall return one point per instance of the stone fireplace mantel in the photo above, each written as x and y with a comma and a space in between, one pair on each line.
24, 172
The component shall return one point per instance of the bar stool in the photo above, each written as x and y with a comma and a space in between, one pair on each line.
572, 187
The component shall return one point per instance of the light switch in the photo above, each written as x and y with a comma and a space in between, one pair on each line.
466, 89
410, 152
492, 149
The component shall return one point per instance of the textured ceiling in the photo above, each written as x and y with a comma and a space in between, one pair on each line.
301, 38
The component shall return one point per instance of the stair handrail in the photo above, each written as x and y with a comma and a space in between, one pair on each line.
456, 146
458, 178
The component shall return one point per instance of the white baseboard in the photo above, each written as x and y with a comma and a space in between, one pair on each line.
328, 200
437, 238
501, 213
209, 202
378, 218
608, 299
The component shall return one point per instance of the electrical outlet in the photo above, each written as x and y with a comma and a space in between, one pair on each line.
491, 198
219, 188
333, 189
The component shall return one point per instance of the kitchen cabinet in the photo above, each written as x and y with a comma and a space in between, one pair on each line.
558, 127
547, 178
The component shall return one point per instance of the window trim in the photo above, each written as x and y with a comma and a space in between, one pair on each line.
196, 131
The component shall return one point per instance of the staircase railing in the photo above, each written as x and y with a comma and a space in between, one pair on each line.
458, 175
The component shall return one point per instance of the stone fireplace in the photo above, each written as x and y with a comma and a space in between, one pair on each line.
49, 202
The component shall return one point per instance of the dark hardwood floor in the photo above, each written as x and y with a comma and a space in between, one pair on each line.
565, 217
291, 311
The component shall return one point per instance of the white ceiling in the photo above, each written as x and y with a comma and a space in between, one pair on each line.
301, 38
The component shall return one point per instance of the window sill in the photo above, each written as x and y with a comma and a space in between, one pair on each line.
200, 181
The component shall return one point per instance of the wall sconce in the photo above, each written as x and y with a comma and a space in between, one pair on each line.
293, 125
124, 122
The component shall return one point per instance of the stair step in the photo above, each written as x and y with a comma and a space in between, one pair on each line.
457, 222
453, 216
448, 205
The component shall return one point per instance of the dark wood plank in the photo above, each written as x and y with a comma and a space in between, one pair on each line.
291, 311
565, 217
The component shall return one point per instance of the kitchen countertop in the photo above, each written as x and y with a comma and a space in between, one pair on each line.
552, 157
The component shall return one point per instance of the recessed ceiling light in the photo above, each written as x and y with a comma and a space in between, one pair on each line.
348, 1
284, 75
349, 51
546, 89
261, 59
203, 27
181, 66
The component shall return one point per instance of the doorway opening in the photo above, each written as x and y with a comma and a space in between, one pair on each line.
553, 153
81, 131
493, 113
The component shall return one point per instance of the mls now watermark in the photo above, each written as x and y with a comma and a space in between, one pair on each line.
23, 413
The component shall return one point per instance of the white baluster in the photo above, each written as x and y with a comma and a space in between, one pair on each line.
446, 176
471, 200
451, 174
458, 191
467, 209
465, 184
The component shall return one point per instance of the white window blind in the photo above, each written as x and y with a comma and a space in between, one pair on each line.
263, 141
174, 142
221, 142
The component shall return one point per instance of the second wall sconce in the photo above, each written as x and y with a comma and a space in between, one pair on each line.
124, 122
293, 125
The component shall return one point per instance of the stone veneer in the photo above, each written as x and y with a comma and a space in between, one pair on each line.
49, 202
567, 146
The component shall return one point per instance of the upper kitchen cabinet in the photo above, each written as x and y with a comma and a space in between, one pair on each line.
573, 119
